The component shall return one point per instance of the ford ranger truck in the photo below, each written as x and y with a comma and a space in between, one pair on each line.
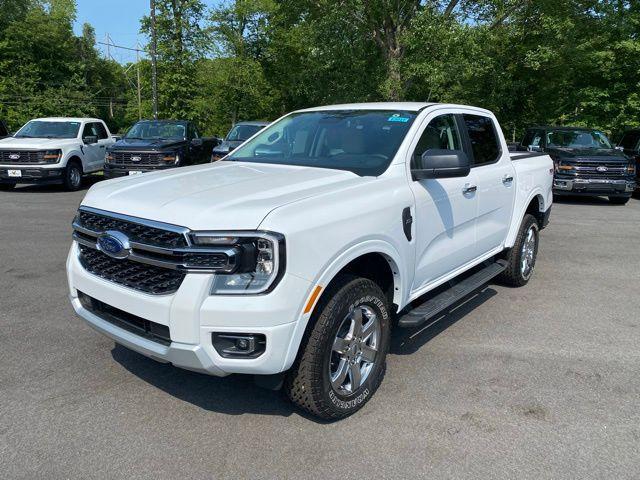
157, 145
54, 150
585, 161
293, 257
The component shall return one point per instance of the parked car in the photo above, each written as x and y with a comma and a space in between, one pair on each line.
54, 150
152, 145
4, 131
238, 134
586, 163
291, 258
630, 145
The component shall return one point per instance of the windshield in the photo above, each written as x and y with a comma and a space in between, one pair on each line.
578, 139
157, 130
240, 133
361, 141
45, 129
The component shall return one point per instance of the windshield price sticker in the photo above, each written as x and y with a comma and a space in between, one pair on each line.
397, 118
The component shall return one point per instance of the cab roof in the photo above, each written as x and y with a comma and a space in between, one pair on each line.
397, 106
68, 119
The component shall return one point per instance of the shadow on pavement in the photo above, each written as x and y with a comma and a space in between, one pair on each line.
580, 200
232, 395
87, 182
237, 394
410, 340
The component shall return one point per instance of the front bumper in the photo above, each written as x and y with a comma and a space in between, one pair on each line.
192, 316
31, 174
116, 172
592, 186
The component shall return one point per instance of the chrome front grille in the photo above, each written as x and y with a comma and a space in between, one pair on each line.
155, 257
593, 168
137, 159
14, 157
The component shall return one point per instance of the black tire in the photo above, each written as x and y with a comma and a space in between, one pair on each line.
72, 176
7, 187
619, 200
309, 382
515, 275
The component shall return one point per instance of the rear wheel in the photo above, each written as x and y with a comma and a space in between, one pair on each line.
343, 360
73, 176
618, 200
5, 187
521, 257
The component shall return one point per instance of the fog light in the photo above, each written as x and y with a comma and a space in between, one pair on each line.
239, 345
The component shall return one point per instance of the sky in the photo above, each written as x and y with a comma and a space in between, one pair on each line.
120, 19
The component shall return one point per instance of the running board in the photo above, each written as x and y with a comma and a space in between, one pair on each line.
444, 300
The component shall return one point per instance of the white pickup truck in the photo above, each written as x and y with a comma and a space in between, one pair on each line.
292, 257
54, 150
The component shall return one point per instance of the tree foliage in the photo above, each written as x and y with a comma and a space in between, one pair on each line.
532, 61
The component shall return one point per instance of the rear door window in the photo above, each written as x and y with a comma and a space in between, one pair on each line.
483, 138
102, 132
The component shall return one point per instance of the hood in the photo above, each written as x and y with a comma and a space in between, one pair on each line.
148, 144
227, 146
218, 196
36, 143
590, 154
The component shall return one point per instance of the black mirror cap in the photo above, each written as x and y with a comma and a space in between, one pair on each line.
89, 139
436, 163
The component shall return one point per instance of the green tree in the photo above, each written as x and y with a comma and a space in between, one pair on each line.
181, 41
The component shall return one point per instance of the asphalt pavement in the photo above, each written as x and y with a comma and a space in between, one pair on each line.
540, 382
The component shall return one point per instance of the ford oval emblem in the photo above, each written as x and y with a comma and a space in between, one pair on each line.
114, 244
602, 168
136, 159
14, 156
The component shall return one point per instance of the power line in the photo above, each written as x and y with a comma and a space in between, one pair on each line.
110, 44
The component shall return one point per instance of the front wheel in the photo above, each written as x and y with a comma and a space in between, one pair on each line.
73, 177
618, 200
343, 358
521, 258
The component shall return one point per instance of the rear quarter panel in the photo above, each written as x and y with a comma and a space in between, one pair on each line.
534, 178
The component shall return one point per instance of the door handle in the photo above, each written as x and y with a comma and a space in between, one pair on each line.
101, 146
468, 188
507, 179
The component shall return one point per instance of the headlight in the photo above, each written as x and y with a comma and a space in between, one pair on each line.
260, 264
52, 156
563, 167
172, 158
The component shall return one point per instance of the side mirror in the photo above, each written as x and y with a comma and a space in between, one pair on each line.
90, 139
196, 142
620, 148
534, 148
436, 163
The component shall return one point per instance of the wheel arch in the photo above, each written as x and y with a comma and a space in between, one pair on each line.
536, 206
376, 260
74, 158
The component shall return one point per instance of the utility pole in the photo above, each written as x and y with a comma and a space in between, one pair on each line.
138, 74
154, 72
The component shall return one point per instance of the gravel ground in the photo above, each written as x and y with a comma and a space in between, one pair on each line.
537, 382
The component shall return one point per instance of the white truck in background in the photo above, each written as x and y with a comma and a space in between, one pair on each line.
54, 150
293, 257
